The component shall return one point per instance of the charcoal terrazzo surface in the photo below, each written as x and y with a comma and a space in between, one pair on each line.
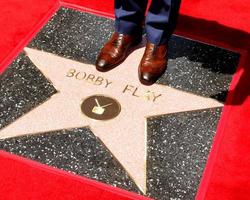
74, 35
199, 68
22, 87
178, 144
75, 150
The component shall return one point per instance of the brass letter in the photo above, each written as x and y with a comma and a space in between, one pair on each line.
134, 93
80, 78
127, 88
155, 97
98, 80
91, 78
147, 95
107, 83
151, 96
71, 73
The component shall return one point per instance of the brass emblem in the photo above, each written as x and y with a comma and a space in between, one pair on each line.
100, 107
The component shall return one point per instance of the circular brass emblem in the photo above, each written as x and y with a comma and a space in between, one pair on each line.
100, 107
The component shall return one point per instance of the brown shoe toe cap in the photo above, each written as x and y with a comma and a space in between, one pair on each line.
147, 78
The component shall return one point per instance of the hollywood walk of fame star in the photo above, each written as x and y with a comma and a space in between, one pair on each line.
125, 135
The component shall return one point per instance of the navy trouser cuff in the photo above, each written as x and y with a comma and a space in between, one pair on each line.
128, 28
160, 39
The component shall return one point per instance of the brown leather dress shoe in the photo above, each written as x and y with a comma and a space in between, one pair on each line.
116, 50
153, 63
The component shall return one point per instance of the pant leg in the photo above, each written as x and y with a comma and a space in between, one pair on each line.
129, 15
161, 20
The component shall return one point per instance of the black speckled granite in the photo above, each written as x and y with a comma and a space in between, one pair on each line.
22, 87
199, 68
75, 150
73, 34
178, 144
